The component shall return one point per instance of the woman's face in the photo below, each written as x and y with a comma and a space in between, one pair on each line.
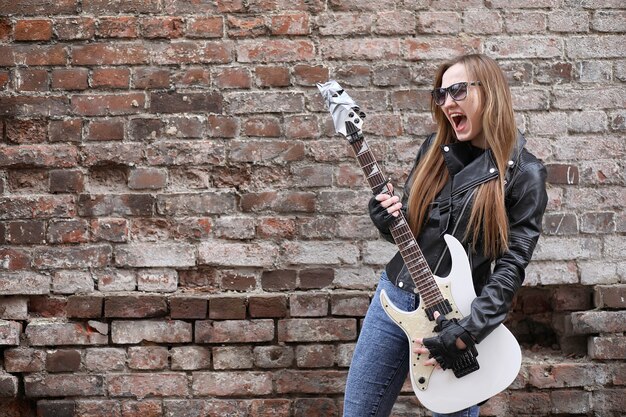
465, 116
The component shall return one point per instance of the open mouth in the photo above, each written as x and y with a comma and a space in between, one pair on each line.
458, 121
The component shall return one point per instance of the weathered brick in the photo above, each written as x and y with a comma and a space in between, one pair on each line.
14, 308
75, 28
131, 332
349, 304
190, 358
10, 333
315, 407
63, 385
25, 282
224, 308
187, 307
105, 359
115, 280
273, 356
315, 356
148, 357
320, 253
610, 296
607, 347
267, 306
278, 280
262, 254
86, 256
311, 382
234, 331
144, 385
316, 278
84, 306
156, 255
105, 129
308, 305
46, 306
43, 332
316, 330
222, 384
63, 360
23, 359
232, 357
8, 386
143, 408
56, 408
599, 322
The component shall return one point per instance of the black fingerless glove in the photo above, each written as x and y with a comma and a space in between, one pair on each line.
379, 215
443, 346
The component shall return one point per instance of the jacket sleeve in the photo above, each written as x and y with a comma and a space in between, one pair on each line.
526, 205
386, 234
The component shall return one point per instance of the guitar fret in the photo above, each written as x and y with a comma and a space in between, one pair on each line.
402, 234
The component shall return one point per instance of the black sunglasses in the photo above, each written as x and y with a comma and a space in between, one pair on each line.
457, 92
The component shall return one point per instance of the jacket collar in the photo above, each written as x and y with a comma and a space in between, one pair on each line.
467, 173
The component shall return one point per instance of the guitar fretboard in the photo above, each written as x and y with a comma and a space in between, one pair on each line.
400, 230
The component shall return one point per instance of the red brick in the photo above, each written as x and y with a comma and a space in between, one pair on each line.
162, 27
278, 280
143, 408
84, 306
316, 330
32, 80
233, 78
221, 384
86, 256
192, 77
610, 296
105, 359
46, 306
607, 347
108, 204
112, 230
272, 76
26, 232
262, 126
222, 126
311, 382
302, 127
25, 131
104, 7
185, 103
65, 130
224, 308
25, 181
134, 306
234, 331
205, 27
144, 385
147, 178
118, 27
98, 408
6, 28
62, 385
267, 306
46, 333
560, 224
190, 358
315, 356
193, 53
316, 278
105, 105
290, 24
70, 79
106, 129
4, 79
68, 231
269, 227
148, 357
10, 333
202, 278
109, 78
183, 307
610, 399
149, 78
315, 407
63, 360
239, 27
270, 408
105, 54
33, 30
238, 281
23, 359
14, 260
349, 304
75, 28
106, 160
273, 356
232, 357
56, 408
133, 332
275, 50
308, 305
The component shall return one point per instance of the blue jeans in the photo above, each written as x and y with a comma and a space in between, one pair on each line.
380, 363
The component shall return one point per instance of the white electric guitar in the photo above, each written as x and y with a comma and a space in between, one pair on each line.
483, 371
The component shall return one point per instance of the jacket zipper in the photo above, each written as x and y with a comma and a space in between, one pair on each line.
456, 225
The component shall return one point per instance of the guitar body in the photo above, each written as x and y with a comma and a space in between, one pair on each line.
499, 355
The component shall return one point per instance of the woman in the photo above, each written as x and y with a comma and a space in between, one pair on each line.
473, 179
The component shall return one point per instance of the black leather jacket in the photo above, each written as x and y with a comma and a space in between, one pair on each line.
525, 200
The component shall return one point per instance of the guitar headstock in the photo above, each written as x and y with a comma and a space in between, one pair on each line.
347, 116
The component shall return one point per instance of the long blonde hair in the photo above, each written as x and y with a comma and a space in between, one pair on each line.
488, 219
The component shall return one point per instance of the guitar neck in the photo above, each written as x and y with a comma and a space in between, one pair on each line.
402, 235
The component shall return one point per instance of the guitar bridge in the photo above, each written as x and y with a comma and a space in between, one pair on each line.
466, 364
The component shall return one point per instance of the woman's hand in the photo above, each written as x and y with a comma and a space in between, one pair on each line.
390, 202
422, 350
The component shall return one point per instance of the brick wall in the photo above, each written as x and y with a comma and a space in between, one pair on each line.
182, 234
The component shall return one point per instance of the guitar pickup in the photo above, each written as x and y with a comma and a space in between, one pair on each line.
466, 363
